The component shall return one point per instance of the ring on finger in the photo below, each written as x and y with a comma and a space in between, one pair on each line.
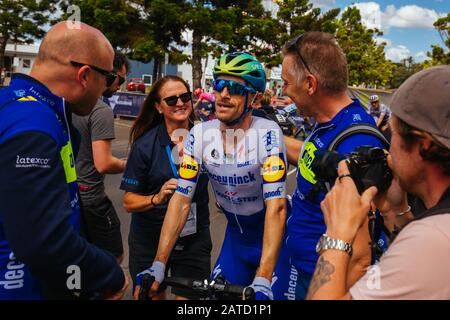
344, 175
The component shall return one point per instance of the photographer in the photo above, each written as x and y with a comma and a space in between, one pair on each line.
417, 264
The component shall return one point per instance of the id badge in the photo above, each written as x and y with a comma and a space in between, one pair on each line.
191, 223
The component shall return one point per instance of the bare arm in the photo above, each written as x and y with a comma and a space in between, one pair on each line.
174, 221
104, 161
345, 213
273, 236
362, 255
293, 148
380, 119
135, 202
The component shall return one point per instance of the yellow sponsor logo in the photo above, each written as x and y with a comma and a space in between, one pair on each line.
305, 162
68, 163
189, 168
274, 169
28, 98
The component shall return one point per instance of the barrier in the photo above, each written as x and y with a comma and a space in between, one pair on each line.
126, 104
363, 95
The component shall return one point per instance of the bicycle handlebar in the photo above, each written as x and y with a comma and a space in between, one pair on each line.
206, 288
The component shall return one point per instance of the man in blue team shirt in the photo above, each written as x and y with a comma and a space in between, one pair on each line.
315, 75
42, 254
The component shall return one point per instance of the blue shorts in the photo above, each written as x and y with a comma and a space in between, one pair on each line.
239, 259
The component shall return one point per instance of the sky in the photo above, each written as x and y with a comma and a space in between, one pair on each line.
407, 25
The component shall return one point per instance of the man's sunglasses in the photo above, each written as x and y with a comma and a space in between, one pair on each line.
293, 45
121, 79
233, 87
172, 100
110, 76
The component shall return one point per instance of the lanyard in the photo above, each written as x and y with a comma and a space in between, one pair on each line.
172, 165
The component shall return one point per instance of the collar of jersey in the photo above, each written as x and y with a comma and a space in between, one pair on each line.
32, 86
339, 116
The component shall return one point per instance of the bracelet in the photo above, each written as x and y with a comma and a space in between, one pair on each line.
403, 212
397, 214
151, 201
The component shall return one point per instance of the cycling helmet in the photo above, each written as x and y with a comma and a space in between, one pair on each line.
198, 91
374, 98
242, 65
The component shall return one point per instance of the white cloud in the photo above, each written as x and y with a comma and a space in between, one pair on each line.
421, 57
412, 16
398, 53
409, 16
323, 3
380, 40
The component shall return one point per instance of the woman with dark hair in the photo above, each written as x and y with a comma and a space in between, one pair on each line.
150, 179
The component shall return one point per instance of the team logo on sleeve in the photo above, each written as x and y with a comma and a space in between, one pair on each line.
189, 168
271, 140
274, 169
190, 143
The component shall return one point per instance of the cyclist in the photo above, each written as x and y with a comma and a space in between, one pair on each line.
204, 107
381, 113
248, 175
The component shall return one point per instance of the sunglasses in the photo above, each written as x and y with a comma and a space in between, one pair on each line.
232, 86
110, 76
293, 45
121, 79
172, 100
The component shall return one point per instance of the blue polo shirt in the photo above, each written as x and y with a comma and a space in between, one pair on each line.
148, 168
306, 224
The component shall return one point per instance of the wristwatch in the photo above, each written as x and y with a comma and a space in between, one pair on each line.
326, 243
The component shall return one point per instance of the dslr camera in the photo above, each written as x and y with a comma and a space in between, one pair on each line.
368, 167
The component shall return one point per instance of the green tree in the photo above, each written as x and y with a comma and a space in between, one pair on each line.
22, 21
438, 54
219, 26
403, 70
366, 59
115, 18
245, 26
161, 25
299, 16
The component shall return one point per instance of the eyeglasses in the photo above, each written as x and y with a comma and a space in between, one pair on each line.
234, 87
293, 45
172, 100
110, 76
121, 79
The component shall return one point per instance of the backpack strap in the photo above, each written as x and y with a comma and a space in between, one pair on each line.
362, 128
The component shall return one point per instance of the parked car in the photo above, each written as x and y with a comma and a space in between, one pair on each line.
136, 84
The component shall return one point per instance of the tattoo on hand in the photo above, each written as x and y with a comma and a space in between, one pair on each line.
322, 275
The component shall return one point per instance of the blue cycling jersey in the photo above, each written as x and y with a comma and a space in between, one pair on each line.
39, 209
306, 224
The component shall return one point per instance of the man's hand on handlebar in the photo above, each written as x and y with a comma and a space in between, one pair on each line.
262, 288
156, 271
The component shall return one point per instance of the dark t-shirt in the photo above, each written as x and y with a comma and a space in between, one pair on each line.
98, 125
148, 168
